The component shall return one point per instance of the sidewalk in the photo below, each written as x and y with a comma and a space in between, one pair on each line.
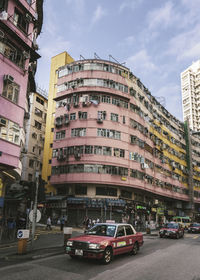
48, 243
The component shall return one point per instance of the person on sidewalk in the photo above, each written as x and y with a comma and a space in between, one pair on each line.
62, 223
48, 223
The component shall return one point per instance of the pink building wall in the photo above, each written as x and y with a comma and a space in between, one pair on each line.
9, 110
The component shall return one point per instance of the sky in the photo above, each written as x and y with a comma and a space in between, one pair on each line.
157, 39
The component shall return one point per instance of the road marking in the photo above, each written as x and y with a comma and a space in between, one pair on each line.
195, 237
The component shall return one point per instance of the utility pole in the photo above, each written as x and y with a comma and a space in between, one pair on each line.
35, 208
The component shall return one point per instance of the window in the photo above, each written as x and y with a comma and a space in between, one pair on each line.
107, 191
82, 115
12, 53
38, 125
38, 112
101, 115
120, 231
126, 194
72, 116
78, 132
49, 161
39, 100
118, 152
109, 133
129, 230
114, 117
31, 163
107, 151
124, 119
30, 177
88, 149
20, 21
11, 91
9, 131
60, 135
80, 190
52, 129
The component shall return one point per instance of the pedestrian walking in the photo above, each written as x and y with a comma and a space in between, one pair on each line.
48, 223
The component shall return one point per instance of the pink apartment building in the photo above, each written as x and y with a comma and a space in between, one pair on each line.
20, 24
117, 152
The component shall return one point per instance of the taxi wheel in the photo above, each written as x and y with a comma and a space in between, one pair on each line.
107, 256
72, 256
177, 236
135, 249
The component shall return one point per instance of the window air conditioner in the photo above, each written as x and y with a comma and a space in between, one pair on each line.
8, 78
3, 15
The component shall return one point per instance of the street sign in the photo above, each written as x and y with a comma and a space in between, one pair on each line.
38, 216
23, 233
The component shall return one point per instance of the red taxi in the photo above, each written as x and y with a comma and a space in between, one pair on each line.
104, 240
194, 228
172, 229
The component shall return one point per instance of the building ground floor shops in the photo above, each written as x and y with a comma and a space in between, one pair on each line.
118, 204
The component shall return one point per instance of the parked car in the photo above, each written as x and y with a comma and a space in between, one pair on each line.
194, 228
172, 229
105, 240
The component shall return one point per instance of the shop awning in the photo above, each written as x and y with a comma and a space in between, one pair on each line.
115, 202
77, 200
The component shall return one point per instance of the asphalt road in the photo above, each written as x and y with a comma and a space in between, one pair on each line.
159, 259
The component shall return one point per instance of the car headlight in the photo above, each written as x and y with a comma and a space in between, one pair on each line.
94, 246
69, 243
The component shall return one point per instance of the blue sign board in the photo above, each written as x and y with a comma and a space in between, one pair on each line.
20, 234
1, 201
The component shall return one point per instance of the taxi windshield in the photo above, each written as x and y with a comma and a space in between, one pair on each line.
102, 230
171, 225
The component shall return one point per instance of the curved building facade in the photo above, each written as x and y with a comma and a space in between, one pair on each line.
117, 152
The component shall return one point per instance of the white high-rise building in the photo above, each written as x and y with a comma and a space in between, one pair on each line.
190, 87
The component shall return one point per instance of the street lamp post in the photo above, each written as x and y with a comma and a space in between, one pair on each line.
35, 208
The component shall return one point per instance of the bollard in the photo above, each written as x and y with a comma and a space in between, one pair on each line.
23, 236
67, 234
22, 245
148, 230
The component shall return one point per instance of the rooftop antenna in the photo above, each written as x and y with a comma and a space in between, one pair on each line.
96, 56
111, 57
81, 57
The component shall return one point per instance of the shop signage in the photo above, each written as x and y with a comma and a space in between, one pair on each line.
160, 211
141, 207
23, 233
123, 178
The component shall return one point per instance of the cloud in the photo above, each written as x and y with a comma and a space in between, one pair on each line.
162, 17
141, 61
98, 14
129, 4
186, 44
128, 41
51, 48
